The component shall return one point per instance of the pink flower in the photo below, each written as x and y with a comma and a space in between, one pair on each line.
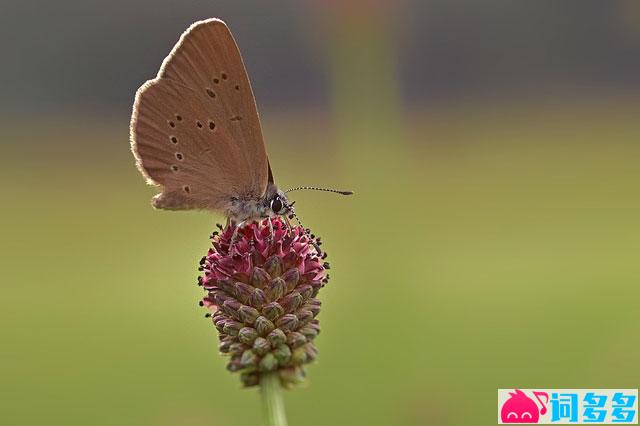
261, 283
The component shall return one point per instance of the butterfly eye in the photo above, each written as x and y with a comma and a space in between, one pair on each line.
276, 205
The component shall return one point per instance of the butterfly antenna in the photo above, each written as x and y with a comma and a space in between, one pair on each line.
315, 188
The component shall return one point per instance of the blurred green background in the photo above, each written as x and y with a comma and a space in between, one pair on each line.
493, 241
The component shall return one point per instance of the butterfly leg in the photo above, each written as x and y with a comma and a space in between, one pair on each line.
270, 228
288, 222
234, 238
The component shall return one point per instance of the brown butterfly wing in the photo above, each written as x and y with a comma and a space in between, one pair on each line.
195, 128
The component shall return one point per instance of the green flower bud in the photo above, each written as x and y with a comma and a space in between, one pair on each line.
268, 362
263, 326
261, 346
292, 376
299, 356
308, 332
272, 310
247, 335
282, 354
249, 358
248, 314
232, 327
277, 337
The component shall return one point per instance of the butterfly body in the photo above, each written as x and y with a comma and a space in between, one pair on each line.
273, 203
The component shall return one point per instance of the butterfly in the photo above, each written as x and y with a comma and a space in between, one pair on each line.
195, 131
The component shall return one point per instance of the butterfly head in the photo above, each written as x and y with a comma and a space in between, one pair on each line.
279, 205
277, 202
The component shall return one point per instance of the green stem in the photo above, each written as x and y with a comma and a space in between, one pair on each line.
272, 402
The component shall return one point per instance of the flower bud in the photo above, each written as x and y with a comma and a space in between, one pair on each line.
235, 365
261, 346
243, 291
250, 379
287, 322
237, 348
247, 335
291, 301
258, 298
273, 266
219, 323
291, 278
308, 332
248, 358
272, 310
292, 375
310, 351
268, 362
230, 307
259, 277
225, 346
282, 354
277, 337
296, 339
263, 326
276, 289
305, 291
304, 317
232, 327
314, 306
248, 314
299, 356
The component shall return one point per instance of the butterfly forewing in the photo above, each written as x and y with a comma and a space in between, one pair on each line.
195, 128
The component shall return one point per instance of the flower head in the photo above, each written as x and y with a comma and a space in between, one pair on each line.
262, 280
